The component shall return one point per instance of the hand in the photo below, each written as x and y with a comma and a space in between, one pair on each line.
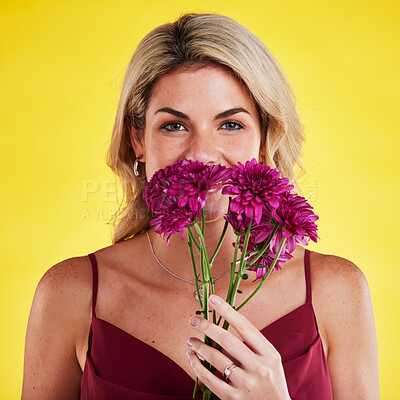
259, 373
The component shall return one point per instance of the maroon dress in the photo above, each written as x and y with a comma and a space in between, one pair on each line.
120, 367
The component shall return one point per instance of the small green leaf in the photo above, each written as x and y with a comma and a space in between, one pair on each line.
239, 291
245, 276
198, 312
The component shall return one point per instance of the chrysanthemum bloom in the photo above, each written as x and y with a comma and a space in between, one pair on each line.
238, 221
253, 186
257, 240
174, 220
194, 180
261, 231
297, 225
267, 259
155, 191
177, 193
259, 235
295, 215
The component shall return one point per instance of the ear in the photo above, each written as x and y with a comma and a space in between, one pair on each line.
137, 141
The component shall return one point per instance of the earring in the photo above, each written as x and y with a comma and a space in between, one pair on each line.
136, 165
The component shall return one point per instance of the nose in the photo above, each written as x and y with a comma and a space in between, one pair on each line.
202, 147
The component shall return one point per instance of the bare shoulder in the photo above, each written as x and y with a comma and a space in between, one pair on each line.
58, 326
345, 317
335, 270
66, 284
70, 269
336, 280
63, 301
69, 283
341, 298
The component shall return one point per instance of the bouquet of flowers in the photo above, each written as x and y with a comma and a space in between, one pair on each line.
267, 218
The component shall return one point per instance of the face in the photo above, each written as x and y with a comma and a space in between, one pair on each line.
203, 114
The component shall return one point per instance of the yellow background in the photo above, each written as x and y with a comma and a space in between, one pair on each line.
61, 67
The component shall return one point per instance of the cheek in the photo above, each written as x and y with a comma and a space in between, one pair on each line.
158, 157
162, 151
245, 150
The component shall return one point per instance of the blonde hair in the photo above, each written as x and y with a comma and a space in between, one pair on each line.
196, 40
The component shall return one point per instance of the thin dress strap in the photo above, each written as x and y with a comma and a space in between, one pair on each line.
308, 275
95, 282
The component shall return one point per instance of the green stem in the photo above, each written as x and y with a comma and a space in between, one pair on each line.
190, 233
207, 394
206, 277
264, 277
196, 279
203, 252
196, 385
261, 252
205, 300
244, 250
203, 221
219, 243
233, 270
239, 274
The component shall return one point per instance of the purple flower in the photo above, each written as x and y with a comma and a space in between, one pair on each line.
174, 220
193, 181
260, 235
254, 185
297, 225
295, 215
267, 259
261, 231
155, 191
239, 222
177, 194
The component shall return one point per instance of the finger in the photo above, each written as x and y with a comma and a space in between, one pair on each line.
217, 359
249, 333
216, 385
230, 343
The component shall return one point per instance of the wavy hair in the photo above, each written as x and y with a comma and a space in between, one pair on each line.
197, 40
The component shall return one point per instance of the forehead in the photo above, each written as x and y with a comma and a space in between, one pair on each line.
214, 86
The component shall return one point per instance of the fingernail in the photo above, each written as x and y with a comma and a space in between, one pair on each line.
215, 300
195, 321
189, 354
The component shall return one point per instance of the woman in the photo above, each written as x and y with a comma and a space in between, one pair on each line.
121, 323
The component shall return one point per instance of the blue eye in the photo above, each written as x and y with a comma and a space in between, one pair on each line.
173, 127
232, 126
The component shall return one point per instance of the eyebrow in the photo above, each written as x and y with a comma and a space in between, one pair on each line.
221, 115
173, 112
230, 112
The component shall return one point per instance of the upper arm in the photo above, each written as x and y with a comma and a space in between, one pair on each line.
57, 319
347, 319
